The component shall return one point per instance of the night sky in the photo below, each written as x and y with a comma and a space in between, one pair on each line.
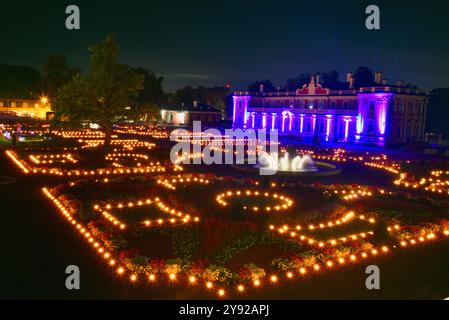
218, 42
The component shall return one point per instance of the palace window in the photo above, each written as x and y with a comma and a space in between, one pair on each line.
311, 104
320, 104
297, 123
370, 129
372, 107
321, 127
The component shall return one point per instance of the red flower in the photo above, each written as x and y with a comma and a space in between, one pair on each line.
128, 253
199, 266
157, 264
244, 273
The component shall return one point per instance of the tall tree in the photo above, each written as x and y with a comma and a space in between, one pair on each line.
438, 111
329, 79
298, 82
267, 84
363, 76
215, 96
56, 72
105, 94
19, 82
185, 95
148, 101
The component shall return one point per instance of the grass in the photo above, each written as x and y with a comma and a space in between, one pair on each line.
4, 142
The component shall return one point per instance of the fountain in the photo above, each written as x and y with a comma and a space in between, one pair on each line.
272, 163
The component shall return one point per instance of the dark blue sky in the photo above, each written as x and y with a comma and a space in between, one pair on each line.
216, 42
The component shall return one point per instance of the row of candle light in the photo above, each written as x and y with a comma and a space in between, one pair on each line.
351, 194
65, 212
126, 144
170, 184
77, 134
296, 231
286, 202
180, 216
115, 158
151, 131
26, 168
36, 158
429, 184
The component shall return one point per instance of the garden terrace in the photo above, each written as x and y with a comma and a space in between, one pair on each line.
235, 259
229, 232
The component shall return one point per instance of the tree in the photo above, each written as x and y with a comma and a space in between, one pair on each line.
438, 111
363, 77
19, 82
267, 85
329, 79
148, 101
56, 72
104, 95
298, 82
185, 95
215, 96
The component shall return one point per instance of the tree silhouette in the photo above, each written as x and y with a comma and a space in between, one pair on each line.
104, 95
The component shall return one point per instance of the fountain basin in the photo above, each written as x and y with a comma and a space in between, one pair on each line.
273, 164
322, 169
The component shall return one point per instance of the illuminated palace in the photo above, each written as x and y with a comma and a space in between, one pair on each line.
382, 114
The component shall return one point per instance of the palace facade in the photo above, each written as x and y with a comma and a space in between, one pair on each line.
382, 114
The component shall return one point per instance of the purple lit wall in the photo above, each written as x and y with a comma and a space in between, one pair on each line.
367, 124
346, 120
359, 123
240, 110
382, 115
328, 126
372, 118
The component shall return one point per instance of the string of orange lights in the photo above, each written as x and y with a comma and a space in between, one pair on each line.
177, 216
285, 201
